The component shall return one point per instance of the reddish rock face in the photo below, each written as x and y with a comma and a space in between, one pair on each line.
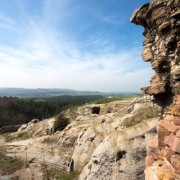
176, 120
173, 142
178, 134
161, 21
168, 126
175, 161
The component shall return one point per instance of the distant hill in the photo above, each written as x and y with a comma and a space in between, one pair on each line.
22, 92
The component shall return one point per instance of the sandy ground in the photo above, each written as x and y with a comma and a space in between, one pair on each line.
34, 150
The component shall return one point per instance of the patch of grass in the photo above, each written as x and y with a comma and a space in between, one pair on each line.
19, 136
142, 114
105, 100
23, 136
9, 165
51, 173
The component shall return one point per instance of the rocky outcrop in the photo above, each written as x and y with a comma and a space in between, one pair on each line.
121, 155
113, 144
161, 20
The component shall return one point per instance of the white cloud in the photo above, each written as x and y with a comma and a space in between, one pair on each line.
49, 57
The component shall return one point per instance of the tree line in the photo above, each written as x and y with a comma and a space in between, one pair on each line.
14, 110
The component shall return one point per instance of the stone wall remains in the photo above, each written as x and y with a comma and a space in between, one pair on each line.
161, 22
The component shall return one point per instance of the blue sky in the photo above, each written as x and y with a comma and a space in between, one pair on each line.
76, 44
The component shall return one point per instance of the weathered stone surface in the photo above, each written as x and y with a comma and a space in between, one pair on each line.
176, 145
157, 173
139, 15
122, 150
162, 133
152, 151
177, 99
176, 14
178, 134
157, 13
176, 121
161, 23
86, 143
155, 89
175, 110
156, 64
169, 126
176, 72
167, 153
163, 27
24, 126
106, 150
175, 161
177, 88
147, 54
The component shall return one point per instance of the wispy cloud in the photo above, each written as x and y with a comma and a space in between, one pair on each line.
47, 56
6, 22
113, 20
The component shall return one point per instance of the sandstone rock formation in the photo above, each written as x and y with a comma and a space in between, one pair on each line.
112, 145
161, 21
120, 155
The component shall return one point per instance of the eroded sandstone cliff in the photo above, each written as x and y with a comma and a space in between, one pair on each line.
161, 21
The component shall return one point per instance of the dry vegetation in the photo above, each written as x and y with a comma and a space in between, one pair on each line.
51, 173
19, 136
142, 114
9, 165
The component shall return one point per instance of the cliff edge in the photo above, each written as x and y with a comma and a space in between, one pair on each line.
161, 22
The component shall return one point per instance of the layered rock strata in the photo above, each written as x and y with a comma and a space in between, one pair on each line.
161, 21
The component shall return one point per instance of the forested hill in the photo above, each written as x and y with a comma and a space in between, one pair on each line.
15, 110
